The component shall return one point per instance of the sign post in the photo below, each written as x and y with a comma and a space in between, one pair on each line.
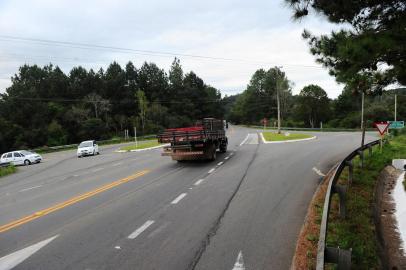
135, 137
382, 127
265, 121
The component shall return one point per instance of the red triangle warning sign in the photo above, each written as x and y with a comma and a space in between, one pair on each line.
381, 127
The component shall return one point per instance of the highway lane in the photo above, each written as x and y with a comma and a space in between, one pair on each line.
179, 220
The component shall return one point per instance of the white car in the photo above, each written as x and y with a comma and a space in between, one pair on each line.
88, 148
21, 157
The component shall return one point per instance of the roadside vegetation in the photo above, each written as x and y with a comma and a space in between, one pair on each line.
141, 145
7, 170
272, 136
357, 231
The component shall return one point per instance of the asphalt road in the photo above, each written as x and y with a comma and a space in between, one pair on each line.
139, 210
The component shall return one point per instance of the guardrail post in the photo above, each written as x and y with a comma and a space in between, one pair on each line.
370, 150
341, 190
361, 155
339, 256
350, 171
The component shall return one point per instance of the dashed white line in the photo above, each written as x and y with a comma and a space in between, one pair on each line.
318, 172
220, 163
246, 138
26, 189
117, 247
212, 170
98, 169
198, 182
180, 197
116, 164
226, 158
141, 229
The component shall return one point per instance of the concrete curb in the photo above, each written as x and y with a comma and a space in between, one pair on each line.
144, 149
288, 141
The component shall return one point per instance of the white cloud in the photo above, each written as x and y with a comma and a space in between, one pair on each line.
258, 31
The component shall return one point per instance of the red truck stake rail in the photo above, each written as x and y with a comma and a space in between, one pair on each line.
198, 142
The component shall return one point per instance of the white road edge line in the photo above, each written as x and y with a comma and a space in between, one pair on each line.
10, 261
211, 170
180, 197
220, 163
198, 182
138, 231
26, 189
246, 138
239, 263
318, 172
289, 141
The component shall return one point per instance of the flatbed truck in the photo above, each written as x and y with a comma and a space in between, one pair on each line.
199, 142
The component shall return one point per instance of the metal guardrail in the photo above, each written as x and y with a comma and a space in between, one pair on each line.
101, 142
315, 129
336, 255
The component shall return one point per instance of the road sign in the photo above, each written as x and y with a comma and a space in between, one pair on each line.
396, 124
381, 127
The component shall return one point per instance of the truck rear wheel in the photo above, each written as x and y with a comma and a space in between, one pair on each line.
223, 147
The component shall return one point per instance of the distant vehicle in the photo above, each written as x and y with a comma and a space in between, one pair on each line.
198, 142
88, 148
20, 157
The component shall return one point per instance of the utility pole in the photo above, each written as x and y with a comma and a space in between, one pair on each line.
278, 79
395, 106
362, 110
135, 137
362, 120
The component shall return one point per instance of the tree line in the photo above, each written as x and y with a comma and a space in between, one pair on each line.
45, 106
311, 107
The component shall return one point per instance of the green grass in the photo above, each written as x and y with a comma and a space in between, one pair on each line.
7, 170
141, 145
271, 136
357, 231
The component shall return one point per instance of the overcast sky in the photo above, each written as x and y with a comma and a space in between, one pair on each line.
261, 33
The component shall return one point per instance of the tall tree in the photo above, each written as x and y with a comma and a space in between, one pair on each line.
373, 46
313, 106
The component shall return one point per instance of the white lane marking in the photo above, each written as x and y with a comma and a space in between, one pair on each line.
180, 197
117, 247
10, 261
226, 158
141, 229
246, 138
26, 189
116, 164
239, 263
75, 175
98, 169
253, 138
212, 170
198, 182
220, 163
318, 172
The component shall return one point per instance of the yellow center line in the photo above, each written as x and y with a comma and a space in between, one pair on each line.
71, 201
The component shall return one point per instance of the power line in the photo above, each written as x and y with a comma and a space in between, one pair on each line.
77, 45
